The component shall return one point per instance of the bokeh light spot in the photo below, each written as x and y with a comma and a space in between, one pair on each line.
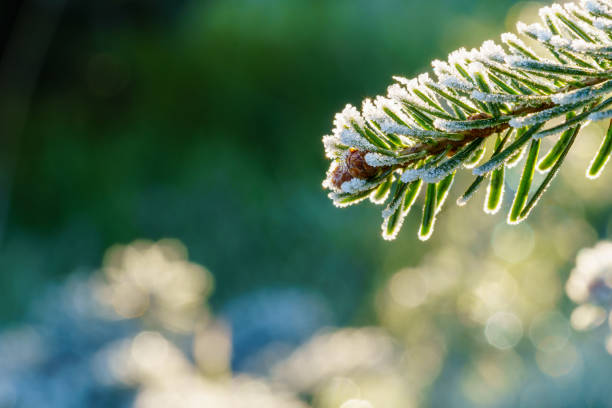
549, 331
408, 288
503, 330
513, 244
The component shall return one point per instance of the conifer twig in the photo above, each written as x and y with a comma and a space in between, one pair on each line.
424, 130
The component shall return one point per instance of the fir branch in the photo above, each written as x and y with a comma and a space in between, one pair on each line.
424, 130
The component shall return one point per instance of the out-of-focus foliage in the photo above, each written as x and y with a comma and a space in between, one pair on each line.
200, 120
139, 333
590, 285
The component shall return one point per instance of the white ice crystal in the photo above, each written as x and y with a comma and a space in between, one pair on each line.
409, 83
518, 61
379, 160
354, 185
573, 8
436, 174
351, 138
492, 51
451, 81
552, 10
410, 175
502, 97
398, 226
345, 132
433, 174
603, 23
600, 115
544, 12
458, 126
399, 93
441, 68
583, 94
338, 202
347, 117
560, 42
390, 209
424, 79
509, 38
475, 68
387, 213
376, 113
534, 30
528, 120
596, 7
462, 56
332, 146
379, 199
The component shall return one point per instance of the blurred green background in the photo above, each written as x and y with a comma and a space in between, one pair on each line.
202, 121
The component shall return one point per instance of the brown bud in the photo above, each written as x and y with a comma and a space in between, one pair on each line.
479, 116
339, 176
357, 165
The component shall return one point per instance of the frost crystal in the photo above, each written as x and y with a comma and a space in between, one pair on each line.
398, 92
534, 30
332, 146
462, 56
340, 202
424, 79
379, 160
409, 83
449, 81
596, 7
581, 94
535, 118
602, 23
513, 40
492, 51
353, 186
347, 117
475, 68
560, 42
376, 112
510, 37
394, 205
410, 175
441, 68
459, 126
518, 61
503, 98
398, 226
600, 115
353, 139
436, 174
